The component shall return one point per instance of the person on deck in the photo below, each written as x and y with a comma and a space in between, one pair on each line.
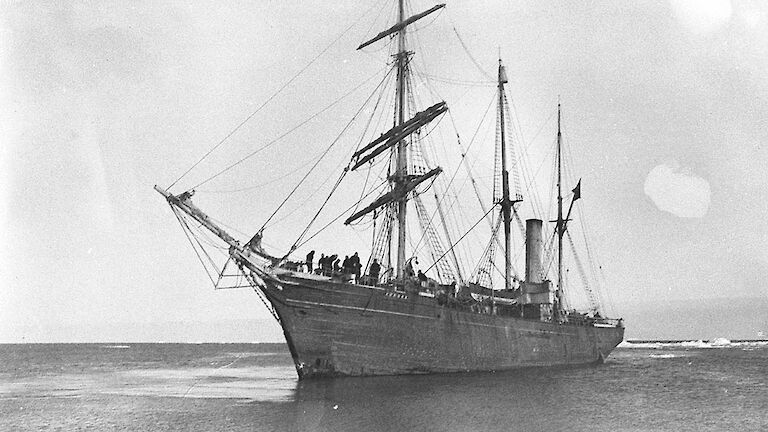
321, 263
328, 265
310, 258
355, 262
422, 277
373, 272
346, 267
409, 269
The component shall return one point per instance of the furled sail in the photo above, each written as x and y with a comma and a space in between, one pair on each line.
397, 27
394, 194
397, 133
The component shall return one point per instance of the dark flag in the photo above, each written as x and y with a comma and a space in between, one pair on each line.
577, 191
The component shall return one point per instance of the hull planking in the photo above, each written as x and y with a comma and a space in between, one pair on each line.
342, 329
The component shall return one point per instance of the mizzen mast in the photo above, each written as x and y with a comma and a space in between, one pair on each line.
560, 221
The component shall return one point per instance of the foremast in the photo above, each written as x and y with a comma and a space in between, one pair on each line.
401, 162
396, 138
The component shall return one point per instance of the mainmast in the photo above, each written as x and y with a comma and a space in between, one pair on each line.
506, 203
401, 162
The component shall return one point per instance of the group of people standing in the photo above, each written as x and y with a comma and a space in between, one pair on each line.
332, 264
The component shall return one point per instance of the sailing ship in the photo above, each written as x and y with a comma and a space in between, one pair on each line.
382, 318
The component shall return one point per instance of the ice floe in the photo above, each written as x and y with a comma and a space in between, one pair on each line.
696, 344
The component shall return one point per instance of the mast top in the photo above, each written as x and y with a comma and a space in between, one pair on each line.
502, 74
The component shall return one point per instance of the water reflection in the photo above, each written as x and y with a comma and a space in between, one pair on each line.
487, 401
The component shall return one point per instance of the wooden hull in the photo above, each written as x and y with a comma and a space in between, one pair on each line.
342, 329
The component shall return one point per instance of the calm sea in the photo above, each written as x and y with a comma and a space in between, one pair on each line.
689, 386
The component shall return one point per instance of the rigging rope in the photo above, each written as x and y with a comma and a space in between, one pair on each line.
456, 202
466, 50
333, 143
455, 198
456, 171
266, 183
596, 270
362, 136
391, 11
289, 82
528, 176
187, 233
421, 152
457, 81
594, 304
298, 245
322, 183
269, 144
482, 274
381, 241
460, 239
444, 270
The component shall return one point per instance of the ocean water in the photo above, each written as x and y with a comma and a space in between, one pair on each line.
652, 386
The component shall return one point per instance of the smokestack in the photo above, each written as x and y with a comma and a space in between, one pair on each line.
533, 251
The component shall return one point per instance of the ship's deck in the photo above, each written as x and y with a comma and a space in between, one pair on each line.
446, 296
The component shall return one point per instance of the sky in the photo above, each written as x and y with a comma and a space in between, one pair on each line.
664, 108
